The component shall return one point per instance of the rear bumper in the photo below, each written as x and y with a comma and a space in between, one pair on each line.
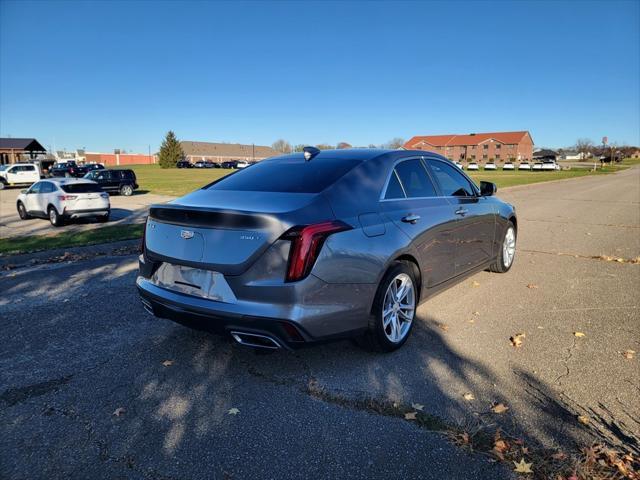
92, 212
313, 313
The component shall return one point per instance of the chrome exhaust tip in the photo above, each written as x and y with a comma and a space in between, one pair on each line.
147, 306
256, 340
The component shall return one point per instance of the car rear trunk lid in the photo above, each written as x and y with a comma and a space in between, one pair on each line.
231, 231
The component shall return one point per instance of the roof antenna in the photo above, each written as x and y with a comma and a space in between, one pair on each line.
310, 152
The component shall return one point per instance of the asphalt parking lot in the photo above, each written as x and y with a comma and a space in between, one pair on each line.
124, 210
93, 387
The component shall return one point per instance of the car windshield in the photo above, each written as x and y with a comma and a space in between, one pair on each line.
286, 176
81, 188
4, 167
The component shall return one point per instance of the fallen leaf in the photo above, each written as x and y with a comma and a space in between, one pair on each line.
473, 320
475, 284
65, 300
233, 411
579, 334
476, 313
167, 363
500, 446
468, 396
628, 354
443, 326
517, 339
559, 456
499, 408
583, 419
523, 467
119, 411
531, 285
410, 415
417, 406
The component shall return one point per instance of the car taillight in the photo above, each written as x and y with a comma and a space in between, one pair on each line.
67, 197
71, 170
306, 242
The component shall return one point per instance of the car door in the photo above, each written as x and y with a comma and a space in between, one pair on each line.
103, 178
476, 216
45, 196
411, 202
31, 200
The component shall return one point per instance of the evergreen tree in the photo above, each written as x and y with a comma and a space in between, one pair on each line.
170, 151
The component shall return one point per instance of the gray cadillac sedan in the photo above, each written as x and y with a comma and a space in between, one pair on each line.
322, 245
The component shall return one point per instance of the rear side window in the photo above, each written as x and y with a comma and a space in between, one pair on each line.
286, 176
394, 189
81, 188
47, 187
415, 179
452, 182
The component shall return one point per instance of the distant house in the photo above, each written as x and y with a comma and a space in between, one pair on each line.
14, 150
635, 154
224, 152
573, 155
545, 154
498, 146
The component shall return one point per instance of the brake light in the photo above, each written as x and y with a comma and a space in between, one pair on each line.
306, 243
67, 197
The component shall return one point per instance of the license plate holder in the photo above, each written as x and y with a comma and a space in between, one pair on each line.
194, 281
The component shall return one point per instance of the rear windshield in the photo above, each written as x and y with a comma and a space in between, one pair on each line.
288, 177
81, 188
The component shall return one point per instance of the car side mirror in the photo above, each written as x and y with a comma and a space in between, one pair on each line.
487, 189
24, 190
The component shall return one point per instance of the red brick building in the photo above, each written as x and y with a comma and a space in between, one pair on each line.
478, 147
116, 159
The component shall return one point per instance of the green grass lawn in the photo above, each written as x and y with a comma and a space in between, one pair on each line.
175, 181
179, 181
36, 243
512, 178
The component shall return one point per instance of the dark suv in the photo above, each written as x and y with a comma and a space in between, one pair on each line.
68, 169
115, 181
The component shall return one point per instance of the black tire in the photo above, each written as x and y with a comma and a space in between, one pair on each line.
54, 217
375, 338
23, 212
499, 265
126, 190
2, 185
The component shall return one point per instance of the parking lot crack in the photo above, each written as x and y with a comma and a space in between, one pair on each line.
565, 363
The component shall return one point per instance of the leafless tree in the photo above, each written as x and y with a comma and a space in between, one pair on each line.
342, 145
395, 143
281, 146
325, 146
584, 146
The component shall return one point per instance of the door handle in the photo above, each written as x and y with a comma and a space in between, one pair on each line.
411, 218
462, 212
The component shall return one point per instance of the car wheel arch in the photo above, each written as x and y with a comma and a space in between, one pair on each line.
406, 258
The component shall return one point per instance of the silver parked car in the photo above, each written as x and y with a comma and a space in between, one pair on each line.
321, 245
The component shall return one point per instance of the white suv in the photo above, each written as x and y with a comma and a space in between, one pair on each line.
18, 174
59, 199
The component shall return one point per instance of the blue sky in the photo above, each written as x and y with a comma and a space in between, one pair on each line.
106, 75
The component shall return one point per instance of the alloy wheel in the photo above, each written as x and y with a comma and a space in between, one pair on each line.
509, 247
399, 308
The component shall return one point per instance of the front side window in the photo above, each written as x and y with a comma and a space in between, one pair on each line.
452, 182
35, 188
